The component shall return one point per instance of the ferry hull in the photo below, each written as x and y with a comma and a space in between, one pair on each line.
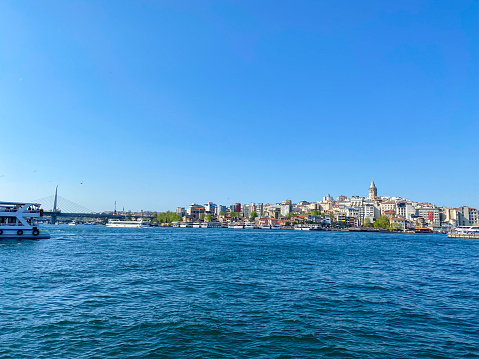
27, 234
33, 238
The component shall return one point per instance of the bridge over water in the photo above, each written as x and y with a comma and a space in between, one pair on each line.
57, 207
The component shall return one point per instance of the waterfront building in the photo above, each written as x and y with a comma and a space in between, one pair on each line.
371, 212
180, 211
259, 209
285, 208
405, 210
341, 218
430, 215
471, 214
274, 211
353, 212
419, 222
235, 207
446, 214
388, 213
400, 221
220, 208
387, 206
246, 211
373, 191
195, 210
210, 208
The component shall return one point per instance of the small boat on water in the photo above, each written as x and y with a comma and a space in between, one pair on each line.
19, 221
117, 223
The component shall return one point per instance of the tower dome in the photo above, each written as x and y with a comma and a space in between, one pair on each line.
373, 191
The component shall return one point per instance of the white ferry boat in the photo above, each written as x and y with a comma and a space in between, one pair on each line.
467, 230
117, 223
464, 232
211, 225
248, 225
214, 225
19, 221
302, 228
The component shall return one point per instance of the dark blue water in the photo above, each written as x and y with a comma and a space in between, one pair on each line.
96, 292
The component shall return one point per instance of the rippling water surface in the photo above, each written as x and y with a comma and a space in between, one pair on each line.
96, 292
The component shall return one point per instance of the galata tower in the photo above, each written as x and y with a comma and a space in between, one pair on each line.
373, 191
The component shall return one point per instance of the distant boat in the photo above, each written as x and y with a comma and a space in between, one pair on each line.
117, 223
302, 228
248, 225
212, 225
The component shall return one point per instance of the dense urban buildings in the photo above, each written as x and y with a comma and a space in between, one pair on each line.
396, 212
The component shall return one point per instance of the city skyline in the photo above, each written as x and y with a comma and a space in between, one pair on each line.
371, 195
395, 213
155, 105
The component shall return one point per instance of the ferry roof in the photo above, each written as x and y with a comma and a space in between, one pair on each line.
18, 203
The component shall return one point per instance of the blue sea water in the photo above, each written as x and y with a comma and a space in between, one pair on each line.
97, 292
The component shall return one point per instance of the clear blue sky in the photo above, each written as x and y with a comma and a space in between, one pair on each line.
157, 104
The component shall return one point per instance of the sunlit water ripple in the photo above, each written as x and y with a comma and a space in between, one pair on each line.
96, 292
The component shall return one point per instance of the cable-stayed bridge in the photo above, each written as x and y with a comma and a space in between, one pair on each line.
56, 206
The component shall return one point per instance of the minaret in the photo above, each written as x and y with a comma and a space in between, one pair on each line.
373, 191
